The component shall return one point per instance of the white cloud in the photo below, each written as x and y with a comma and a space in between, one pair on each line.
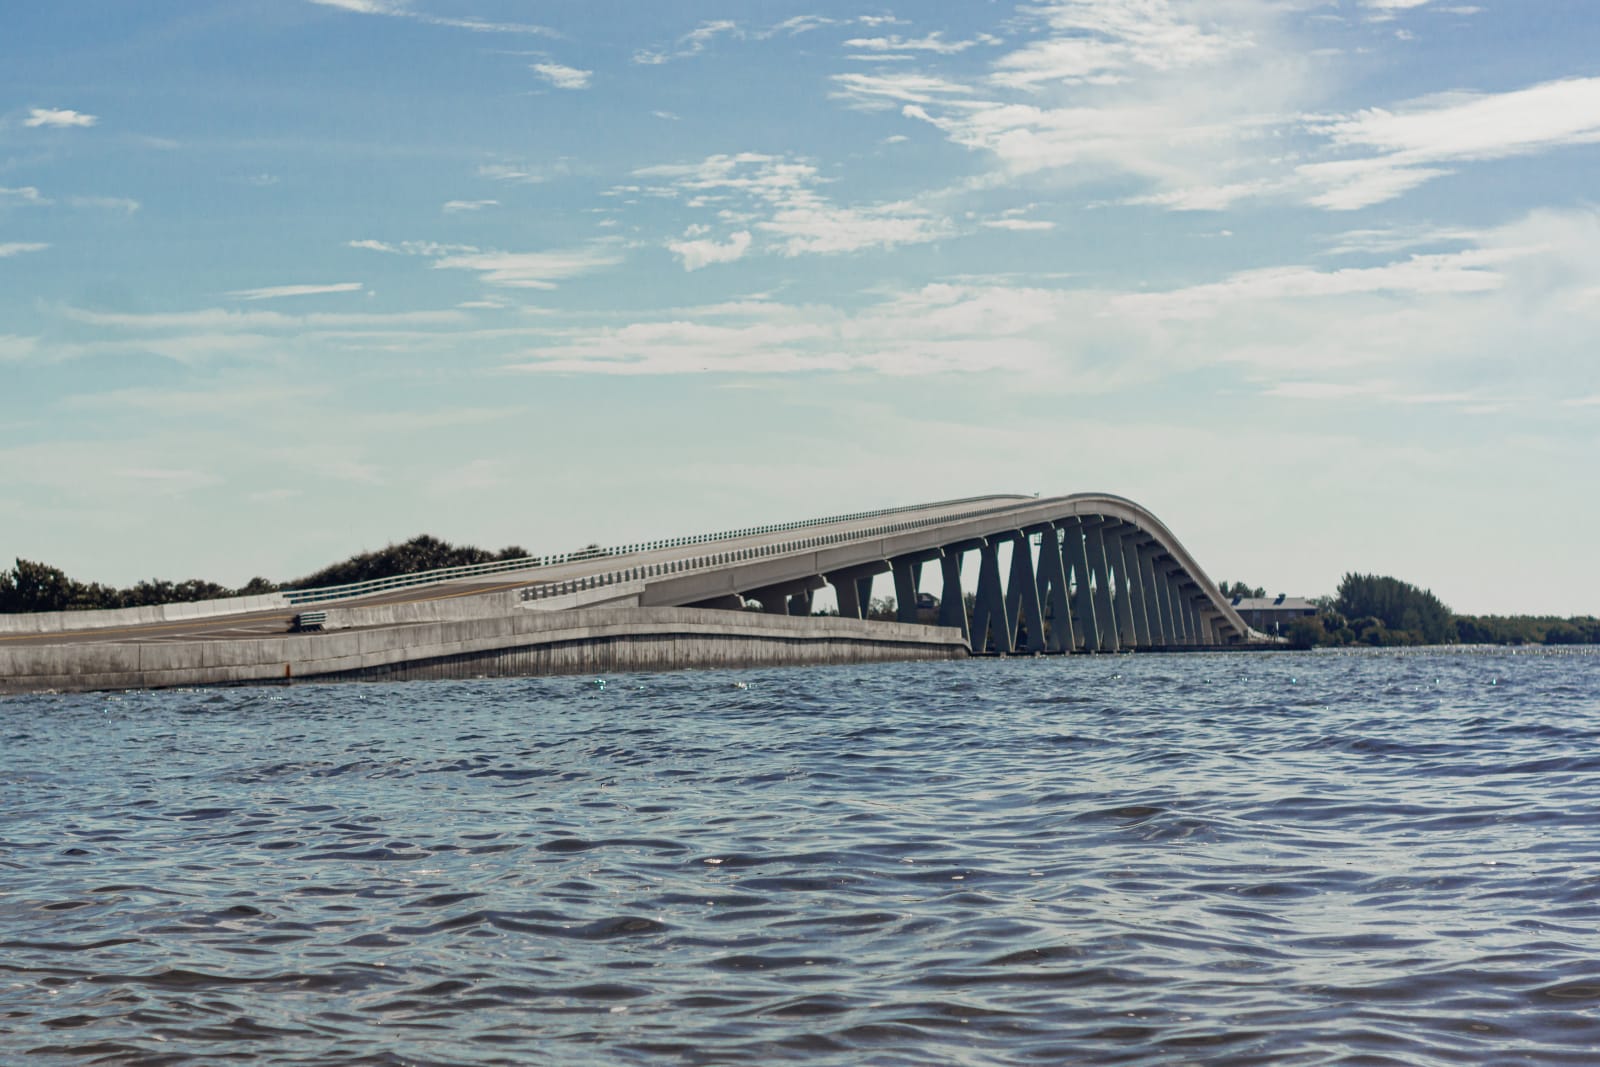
25, 194
702, 253
109, 203
1471, 271
452, 207
692, 43
228, 320
884, 91
532, 270
779, 199
1398, 239
1419, 142
1206, 103
933, 42
397, 9
1180, 96
58, 118
15, 349
17, 248
1512, 316
411, 248
521, 173
563, 77
806, 228
273, 292
1095, 41
1019, 225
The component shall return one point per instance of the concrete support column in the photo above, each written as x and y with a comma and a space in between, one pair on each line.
1022, 594
1077, 556
1160, 632
1111, 536
991, 627
1180, 621
781, 599
907, 581
1163, 589
1104, 610
1127, 547
853, 587
1051, 583
952, 605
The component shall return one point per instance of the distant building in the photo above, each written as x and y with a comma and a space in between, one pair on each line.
1272, 614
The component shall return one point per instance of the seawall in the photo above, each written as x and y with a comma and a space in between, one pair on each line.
521, 643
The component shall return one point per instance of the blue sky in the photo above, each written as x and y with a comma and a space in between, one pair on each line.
1317, 281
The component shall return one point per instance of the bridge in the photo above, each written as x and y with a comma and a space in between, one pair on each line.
1088, 572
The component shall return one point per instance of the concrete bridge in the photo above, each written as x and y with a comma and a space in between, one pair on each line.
1083, 573
1088, 573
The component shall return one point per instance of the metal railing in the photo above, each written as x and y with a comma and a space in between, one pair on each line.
473, 570
722, 559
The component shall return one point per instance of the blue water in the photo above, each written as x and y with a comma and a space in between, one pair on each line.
1379, 858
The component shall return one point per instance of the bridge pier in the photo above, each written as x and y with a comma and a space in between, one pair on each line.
787, 598
1127, 550
853, 588
1076, 556
1050, 587
1094, 543
992, 625
908, 580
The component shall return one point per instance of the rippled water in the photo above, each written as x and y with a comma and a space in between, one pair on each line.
1386, 858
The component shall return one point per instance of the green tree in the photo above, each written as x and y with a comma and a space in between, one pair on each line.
1408, 615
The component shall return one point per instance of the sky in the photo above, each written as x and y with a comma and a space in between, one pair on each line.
1315, 281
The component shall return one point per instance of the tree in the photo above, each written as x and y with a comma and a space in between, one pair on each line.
35, 587
1407, 614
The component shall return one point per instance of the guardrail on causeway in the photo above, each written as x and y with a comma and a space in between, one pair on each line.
399, 581
720, 559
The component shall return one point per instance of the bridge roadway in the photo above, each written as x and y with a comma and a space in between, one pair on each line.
98, 628
1116, 578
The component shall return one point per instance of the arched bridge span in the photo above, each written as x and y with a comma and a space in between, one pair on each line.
1087, 572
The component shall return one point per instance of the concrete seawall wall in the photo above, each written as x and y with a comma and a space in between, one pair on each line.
526, 642
54, 622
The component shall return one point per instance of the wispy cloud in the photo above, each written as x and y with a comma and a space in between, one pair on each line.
1020, 225
398, 9
1205, 102
778, 197
692, 43
25, 194
563, 77
411, 248
58, 118
453, 207
933, 42
123, 204
17, 248
518, 270
1416, 143
522, 173
1419, 330
274, 292
532, 270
